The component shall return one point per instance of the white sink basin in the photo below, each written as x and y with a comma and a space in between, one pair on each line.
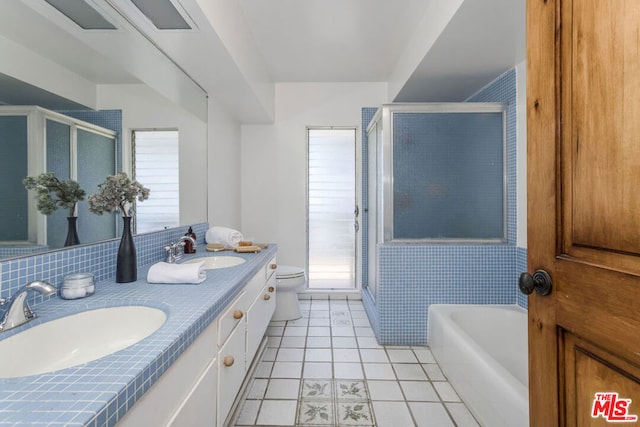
211, 262
76, 339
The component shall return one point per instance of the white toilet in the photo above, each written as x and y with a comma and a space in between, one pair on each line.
288, 280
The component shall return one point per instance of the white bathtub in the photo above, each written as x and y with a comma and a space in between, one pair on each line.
482, 349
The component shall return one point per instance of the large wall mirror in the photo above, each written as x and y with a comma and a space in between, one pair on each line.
38, 74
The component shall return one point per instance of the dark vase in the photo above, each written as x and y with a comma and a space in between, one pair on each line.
72, 232
126, 265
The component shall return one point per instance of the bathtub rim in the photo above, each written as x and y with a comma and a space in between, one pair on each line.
519, 391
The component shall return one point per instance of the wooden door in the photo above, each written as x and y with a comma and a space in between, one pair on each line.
583, 120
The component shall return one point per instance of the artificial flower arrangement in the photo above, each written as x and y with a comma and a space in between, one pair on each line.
53, 193
117, 192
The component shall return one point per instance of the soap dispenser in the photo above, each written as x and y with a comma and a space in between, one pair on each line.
188, 246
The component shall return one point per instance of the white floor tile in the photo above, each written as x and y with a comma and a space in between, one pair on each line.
424, 355
401, 356
346, 355
319, 342
409, 371
351, 371
283, 389
290, 355
320, 321
461, 415
248, 413
295, 331
359, 314
277, 412
319, 331
301, 322
392, 414
368, 342
430, 414
419, 391
384, 390
378, 371
374, 355
334, 342
273, 342
342, 331
361, 321
258, 388
263, 370
317, 370
344, 342
287, 370
446, 392
318, 355
362, 331
433, 372
275, 331
269, 354
293, 342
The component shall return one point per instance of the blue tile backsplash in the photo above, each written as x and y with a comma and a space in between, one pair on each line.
98, 258
413, 276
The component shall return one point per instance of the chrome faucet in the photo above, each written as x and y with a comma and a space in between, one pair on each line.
14, 311
175, 251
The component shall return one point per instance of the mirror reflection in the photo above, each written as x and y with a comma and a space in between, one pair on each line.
86, 116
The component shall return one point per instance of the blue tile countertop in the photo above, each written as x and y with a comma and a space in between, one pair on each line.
100, 392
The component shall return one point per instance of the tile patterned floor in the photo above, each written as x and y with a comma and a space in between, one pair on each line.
327, 369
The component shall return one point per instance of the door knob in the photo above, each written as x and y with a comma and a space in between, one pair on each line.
540, 282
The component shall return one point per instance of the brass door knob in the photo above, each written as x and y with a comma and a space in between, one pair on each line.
267, 297
271, 289
273, 266
228, 361
238, 314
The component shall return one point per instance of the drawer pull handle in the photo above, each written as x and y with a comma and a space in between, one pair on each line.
238, 314
273, 266
267, 297
228, 361
271, 289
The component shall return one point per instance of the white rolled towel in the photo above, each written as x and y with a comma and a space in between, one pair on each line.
227, 236
164, 272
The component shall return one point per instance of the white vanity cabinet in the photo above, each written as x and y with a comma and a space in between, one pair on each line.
261, 310
176, 397
239, 342
231, 354
201, 387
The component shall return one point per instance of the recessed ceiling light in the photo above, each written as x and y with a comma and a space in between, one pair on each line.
82, 14
162, 13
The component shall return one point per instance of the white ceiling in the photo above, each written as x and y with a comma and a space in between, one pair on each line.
427, 50
332, 40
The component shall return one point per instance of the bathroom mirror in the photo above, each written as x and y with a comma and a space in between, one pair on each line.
27, 38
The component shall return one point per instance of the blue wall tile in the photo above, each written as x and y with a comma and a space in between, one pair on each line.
98, 258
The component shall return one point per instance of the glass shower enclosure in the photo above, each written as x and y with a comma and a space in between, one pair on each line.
435, 174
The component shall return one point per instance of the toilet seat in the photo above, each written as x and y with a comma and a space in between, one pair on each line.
289, 272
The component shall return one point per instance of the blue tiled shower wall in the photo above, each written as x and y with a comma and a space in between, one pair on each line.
414, 276
98, 258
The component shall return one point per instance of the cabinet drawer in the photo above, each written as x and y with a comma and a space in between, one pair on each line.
258, 318
254, 287
231, 371
232, 316
198, 409
270, 268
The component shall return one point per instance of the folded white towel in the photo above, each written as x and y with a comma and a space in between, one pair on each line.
227, 236
164, 272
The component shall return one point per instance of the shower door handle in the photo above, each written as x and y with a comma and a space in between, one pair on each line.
540, 282
356, 225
